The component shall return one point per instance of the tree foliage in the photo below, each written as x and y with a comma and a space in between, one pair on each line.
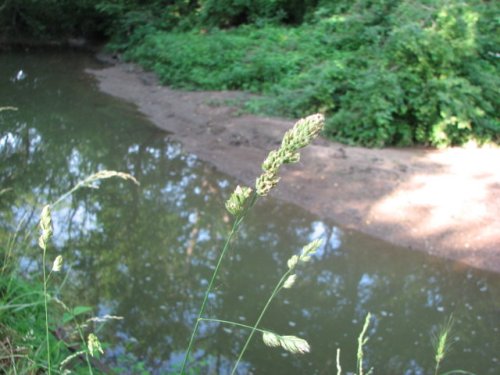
385, 72
50, 18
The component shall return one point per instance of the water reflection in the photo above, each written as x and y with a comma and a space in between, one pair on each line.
146, 253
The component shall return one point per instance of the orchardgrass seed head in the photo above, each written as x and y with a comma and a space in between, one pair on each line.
301, 135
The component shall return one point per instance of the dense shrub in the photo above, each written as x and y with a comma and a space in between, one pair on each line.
386, 72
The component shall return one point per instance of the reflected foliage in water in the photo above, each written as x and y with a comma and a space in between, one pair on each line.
146, 253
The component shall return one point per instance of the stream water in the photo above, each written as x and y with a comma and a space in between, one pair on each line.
146, 253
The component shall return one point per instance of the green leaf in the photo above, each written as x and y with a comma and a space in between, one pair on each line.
78, 310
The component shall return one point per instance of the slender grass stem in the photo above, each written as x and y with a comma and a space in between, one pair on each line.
10, 245
46, 227
339, 369
233, 324
67, 194
87, 359
82, 338
236, 224
436, 369
361, 342
47, 338
254, 328
296, 138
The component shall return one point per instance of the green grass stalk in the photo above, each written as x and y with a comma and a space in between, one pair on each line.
276, 290
339, 369
441, 343
38, 360
233, 324
361, 342
292, 344
236, 224
46, 233
300, 136
85, 353
45, 304
10, 245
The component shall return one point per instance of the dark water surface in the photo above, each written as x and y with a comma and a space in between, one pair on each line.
146, 253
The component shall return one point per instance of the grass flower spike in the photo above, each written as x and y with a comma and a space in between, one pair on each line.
236, 202
57, 265
301, 135
305, 256
94, 345
441, 342
292, 344
309, 250
266, 182
45, 227
303, 132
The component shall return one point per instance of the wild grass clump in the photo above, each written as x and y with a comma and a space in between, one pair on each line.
40, 333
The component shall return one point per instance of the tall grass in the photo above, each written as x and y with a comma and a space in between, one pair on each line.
19, 298
46, 232
240, 203
362, 340
442, 343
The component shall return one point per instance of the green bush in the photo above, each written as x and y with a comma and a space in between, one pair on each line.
385, 72
243, 59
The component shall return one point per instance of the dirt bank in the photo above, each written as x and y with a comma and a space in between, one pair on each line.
444, 202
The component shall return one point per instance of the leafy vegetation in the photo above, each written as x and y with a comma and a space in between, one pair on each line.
385, 72
393, 73
40, 333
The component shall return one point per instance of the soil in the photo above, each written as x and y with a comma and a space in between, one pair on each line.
443, 202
